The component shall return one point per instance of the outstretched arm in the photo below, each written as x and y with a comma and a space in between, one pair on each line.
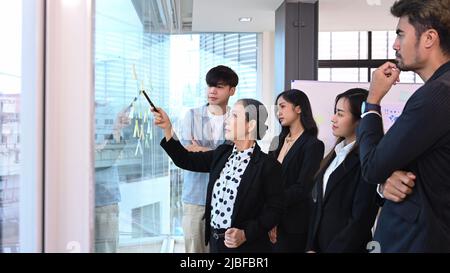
192, 161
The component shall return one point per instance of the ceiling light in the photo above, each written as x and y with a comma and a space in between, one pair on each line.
245, 19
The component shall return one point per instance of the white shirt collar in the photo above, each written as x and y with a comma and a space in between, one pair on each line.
341, 149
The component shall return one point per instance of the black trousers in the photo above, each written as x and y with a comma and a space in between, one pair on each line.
217, 244
290, 242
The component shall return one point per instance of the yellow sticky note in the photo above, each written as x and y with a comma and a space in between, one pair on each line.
134, 72
136, 129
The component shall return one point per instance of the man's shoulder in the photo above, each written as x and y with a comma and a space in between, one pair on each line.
200, 110
436, 92
195, 114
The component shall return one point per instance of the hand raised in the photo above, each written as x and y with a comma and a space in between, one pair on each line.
383, 78
162, 120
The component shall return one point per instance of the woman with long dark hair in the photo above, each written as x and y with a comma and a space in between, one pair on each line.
345, 206
300, 152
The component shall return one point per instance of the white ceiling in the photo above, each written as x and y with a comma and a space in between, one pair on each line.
223, 15
334, 15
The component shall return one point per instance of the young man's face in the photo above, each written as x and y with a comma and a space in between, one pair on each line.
408, 48
219, 95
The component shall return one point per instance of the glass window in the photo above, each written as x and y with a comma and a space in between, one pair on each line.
324, 45
343, 74
10, 93
138, 189
348, 45
324, 74
382, 42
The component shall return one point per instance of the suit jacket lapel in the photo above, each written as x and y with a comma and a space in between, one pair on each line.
318, 196
215, 173
293, 151
335, 178
319, 185
248, 178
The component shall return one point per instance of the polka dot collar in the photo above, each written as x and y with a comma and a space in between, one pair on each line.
243, 154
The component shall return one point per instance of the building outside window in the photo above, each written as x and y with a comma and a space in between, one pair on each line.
10, 95
138, 188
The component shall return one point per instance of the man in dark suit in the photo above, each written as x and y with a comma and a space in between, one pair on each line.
416, 214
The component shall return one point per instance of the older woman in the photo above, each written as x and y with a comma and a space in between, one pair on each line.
244, 197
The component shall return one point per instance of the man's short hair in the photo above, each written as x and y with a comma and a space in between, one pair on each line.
222, 75
427, 14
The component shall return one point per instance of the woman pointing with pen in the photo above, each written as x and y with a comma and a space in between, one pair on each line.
244, 197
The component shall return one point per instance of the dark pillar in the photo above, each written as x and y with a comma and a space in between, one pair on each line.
296, 43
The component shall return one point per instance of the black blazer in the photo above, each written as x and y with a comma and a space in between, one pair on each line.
419, 141
259, 201
343, 218
297, 172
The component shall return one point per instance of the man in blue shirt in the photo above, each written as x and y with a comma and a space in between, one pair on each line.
203, 130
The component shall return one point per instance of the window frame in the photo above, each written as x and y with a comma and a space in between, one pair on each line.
368, 63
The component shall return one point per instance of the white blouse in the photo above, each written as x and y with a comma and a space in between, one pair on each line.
341, 154
226, 187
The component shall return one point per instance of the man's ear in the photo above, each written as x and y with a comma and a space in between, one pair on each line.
232, 91
431, 38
